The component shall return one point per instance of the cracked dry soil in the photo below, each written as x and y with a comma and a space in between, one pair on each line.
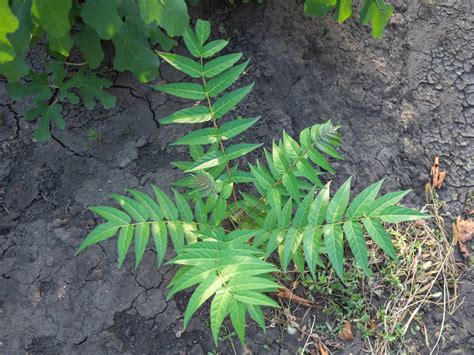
400, 101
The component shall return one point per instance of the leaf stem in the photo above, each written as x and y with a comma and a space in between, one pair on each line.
221, 145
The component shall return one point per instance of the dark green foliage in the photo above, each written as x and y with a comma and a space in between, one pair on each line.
133, 26
376, 11
223, 236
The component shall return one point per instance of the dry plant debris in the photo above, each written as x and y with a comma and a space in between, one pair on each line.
463, 231
437, 175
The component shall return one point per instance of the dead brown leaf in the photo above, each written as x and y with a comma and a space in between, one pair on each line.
437, 175
463, 231
286, 293
322, 351
346, 332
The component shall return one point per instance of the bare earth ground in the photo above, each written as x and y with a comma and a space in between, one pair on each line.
399, 101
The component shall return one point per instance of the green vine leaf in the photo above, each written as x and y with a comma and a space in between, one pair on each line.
52, 16
17, 68
9, 24
172, 15
90, 45
133, 53
103, 17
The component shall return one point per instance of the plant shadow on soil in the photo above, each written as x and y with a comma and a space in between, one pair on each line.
399, 101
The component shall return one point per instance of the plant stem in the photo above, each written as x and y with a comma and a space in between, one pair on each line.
221, 145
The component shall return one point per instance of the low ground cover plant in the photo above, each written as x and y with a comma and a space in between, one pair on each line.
235, 229
71, 35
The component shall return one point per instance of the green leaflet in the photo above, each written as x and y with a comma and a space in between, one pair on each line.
237, 317
142, 234
167, 206
390, 199
9, 25
99, 234
220, 64
380, 236
195, 114
184, 64
222, 81
396, 214
214, 47
124, 241
133, 208
220, 308
185, 90
199, 137
311, 246
160, 239
317, 213
362, 200
339, 202
112, 214
334, 247
203, 30
192, 43
103, 17
356, 239
233, 128
228, 102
